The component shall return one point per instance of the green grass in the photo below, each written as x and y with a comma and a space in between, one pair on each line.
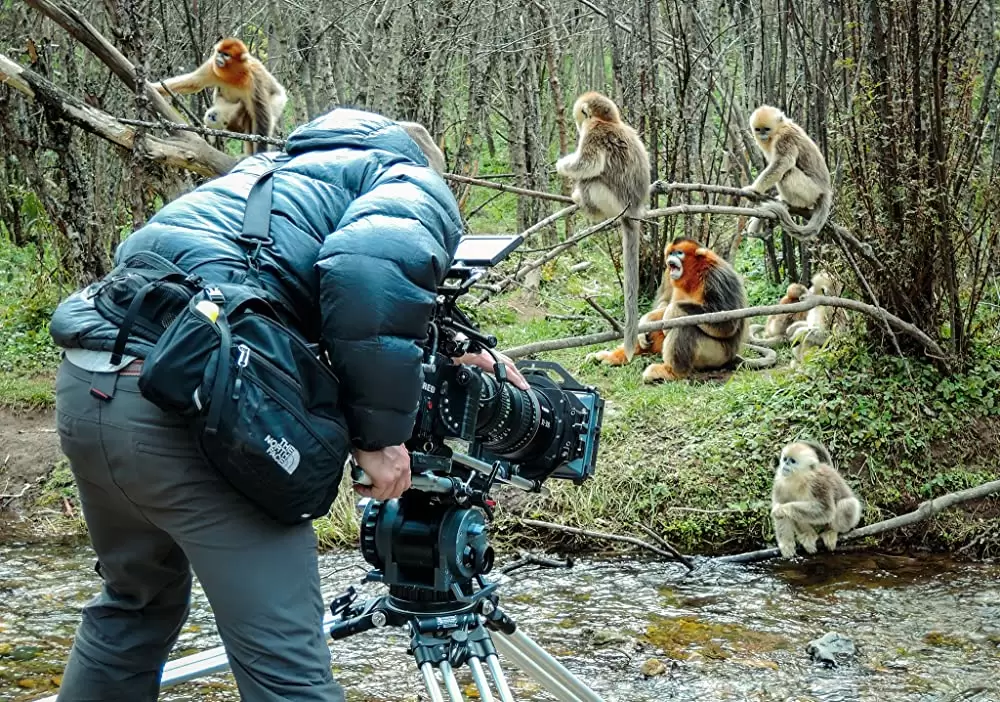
692, 459
27, 354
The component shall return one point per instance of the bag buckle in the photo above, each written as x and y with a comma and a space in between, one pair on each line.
255, 244
215, 295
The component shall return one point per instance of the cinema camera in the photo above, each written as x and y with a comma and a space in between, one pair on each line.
430, 546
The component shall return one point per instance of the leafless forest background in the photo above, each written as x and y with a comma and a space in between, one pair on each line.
900, 95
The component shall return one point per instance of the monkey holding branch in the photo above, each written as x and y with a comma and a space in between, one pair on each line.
796, 166
612, 174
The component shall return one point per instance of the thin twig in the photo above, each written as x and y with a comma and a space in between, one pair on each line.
454, 177
874, 298
204, 131
542, 260
18, 495
926, 510
599, 535
666, 545
604, 313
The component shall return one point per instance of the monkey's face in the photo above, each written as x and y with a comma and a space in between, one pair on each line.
229, 50
797, 457
764, 121
675, 265
688, 260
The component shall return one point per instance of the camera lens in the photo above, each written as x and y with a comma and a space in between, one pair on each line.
513, 423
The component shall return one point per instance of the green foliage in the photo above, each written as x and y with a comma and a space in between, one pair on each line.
694, 459
27, 299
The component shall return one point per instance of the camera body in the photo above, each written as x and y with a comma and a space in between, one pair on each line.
431, 542
551, 430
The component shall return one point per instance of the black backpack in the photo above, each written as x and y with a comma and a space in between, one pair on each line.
263, 403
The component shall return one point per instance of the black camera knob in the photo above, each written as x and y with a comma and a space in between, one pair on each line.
463, 376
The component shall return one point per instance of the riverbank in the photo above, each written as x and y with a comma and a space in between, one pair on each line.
692, 460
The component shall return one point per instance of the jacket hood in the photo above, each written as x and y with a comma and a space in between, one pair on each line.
347, 128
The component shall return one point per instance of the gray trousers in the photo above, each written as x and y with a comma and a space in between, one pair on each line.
155, 511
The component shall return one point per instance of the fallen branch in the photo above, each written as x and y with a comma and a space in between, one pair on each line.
604, 313
527, 559
926, 510
203, 157
170, 151
665, 544
4, 498
600, 535
932, 348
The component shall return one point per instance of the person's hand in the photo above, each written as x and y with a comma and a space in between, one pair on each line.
484, 360
388, 469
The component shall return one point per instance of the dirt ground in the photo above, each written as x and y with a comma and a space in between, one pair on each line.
29, 447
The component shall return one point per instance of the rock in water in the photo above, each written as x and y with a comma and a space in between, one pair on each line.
652, 668
826, 648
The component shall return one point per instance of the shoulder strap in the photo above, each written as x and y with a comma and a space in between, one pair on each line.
256, 231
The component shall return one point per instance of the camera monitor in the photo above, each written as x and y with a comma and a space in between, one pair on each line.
485, 251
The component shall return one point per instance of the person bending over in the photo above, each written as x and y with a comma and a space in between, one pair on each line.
363, 231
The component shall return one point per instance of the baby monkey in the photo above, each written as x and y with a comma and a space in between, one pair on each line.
808, 493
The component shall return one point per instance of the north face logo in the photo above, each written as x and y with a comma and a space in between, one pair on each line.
283, 453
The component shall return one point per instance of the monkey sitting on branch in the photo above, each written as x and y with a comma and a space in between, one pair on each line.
808, 492
796, 166
248, 99
774, 331
612, 174
700, 282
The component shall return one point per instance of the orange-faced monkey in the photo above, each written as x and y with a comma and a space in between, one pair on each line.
701, 282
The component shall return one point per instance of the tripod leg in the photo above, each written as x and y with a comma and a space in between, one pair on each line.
450, 682
479, 677
431, 683
546, 670
493, 663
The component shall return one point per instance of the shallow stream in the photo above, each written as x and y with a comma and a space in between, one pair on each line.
925, 629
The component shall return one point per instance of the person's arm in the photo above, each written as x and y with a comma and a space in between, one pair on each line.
379, 273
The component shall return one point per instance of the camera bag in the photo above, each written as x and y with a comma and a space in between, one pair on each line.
263, 402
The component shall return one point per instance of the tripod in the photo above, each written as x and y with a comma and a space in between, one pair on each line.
433, 554
446, 633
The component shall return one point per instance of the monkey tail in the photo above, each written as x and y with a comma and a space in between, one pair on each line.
631, 234
757, 337
768, 358
812, 228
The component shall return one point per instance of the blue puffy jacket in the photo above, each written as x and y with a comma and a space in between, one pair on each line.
364, 231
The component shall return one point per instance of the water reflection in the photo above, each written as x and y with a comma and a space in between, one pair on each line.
926, 629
